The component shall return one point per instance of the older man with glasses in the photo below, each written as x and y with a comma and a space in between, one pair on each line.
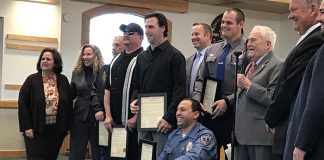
118, 85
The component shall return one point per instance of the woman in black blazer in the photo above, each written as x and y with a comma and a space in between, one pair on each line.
45, 107
87, 110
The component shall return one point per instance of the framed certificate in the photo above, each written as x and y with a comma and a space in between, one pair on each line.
152, 107
118, 143
103, 134
147, 150
210, 92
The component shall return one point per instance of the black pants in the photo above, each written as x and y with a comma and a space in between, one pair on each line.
132, 145
81, 133
44, 146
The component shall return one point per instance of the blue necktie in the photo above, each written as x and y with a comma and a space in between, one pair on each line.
194, 70
221, 63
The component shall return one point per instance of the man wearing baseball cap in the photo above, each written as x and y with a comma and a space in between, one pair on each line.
118, 83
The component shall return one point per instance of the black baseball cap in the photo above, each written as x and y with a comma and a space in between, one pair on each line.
132, 27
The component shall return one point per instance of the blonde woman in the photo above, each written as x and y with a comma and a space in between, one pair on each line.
87, 76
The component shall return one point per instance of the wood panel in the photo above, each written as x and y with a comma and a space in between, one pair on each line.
9, 104
27, 47
12, 86
47, 1
12, 154
31, 38
162, 5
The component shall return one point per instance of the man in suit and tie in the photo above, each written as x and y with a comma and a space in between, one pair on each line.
201, 34
303, 13
254, 95
219, 62
305, 135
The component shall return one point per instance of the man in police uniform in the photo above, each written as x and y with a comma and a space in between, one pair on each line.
190, 140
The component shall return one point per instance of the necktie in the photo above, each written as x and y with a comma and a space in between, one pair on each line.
251, 69
194, 70
221, 63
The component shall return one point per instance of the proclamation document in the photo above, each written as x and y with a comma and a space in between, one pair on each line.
152, 108
118, 142
103, 134
147, 150
209, 93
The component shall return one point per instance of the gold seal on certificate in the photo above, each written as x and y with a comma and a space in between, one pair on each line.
118, 142
152, 108
147, 150
210, 92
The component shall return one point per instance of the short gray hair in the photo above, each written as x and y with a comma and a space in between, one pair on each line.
316, 2
267, 33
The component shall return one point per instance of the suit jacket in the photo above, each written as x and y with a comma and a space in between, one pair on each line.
252, 103
306, 130
288, 85
221, 126
31, 104
189, 62
87, 99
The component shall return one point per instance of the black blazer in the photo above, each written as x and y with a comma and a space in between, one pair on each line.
31, 104
88, 100
287, 86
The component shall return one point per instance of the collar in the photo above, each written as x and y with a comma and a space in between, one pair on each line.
309, 30
203, 51
192, 132
161, 46
260, 59
235, 43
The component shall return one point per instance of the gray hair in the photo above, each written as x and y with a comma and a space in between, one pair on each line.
315, 2
267, 33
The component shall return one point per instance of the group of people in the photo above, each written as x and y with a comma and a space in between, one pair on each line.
277, 109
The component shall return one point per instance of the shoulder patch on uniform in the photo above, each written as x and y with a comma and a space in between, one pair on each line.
205, 138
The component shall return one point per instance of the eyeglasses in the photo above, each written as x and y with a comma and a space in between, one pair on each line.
128, 33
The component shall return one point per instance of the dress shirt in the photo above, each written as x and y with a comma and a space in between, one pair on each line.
307, 32
161, 70
195, 67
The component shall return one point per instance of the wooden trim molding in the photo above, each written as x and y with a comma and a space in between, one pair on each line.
180, 6
9, 104
47, 1
13, 44
31, 38
106, 9
12, 86
12, 154
27, 47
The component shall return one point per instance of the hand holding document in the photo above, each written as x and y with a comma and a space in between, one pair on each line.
209, 94
152, 109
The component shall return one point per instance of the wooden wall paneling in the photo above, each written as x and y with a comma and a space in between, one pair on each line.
12, 154
9, 104
12, 86
27, 47
31, 38
47, 1
180, 6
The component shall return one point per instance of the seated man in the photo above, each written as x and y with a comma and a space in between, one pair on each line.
190, 140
